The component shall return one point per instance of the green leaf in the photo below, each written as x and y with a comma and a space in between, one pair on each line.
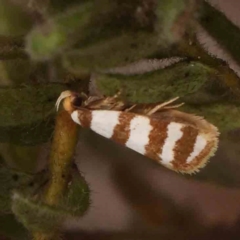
11, 180
226, 116
28, 113
111, 52
34, 215
181, 79
76, 200
37, 216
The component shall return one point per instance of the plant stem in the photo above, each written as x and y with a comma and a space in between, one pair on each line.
60, 161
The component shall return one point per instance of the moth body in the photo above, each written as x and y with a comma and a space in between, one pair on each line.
179, 141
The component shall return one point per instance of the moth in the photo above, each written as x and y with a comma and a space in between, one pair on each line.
179, 141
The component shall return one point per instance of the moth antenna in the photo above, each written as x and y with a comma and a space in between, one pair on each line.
164, 106
62, 96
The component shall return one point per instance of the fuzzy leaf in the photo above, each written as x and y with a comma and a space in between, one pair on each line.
126, 47
76, 200
226, 116
222, 29
23, 158
11, 180
40, 217
36, 216
193, 82
27, 113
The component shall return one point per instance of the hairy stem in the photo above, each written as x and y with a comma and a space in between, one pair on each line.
60, 161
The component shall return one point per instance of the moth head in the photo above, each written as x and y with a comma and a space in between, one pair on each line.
71, 100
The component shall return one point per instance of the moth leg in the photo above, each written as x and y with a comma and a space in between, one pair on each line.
173, 106
114, 103
92, 100
116, 96
84, 95
130, 108
164, 106
107, 103
113, 106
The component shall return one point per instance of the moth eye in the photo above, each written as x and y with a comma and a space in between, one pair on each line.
77, 101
